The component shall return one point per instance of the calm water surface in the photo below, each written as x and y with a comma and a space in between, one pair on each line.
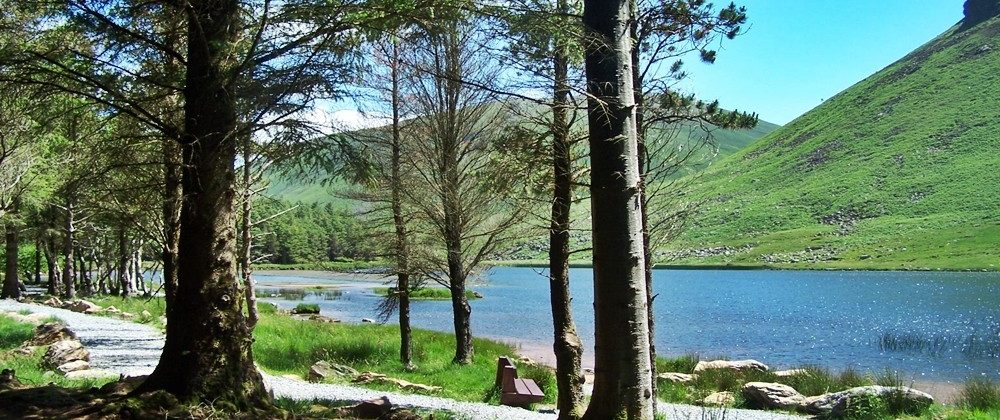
933, 326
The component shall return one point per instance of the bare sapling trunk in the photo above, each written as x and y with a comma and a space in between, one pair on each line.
68, 276
622, 385
246, 234
399, 221
567, 346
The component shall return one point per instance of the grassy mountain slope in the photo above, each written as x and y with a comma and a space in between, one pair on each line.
900, 171
294, 189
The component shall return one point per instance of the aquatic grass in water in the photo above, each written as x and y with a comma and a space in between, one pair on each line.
972, 345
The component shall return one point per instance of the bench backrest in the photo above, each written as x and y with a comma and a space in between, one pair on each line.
506, 373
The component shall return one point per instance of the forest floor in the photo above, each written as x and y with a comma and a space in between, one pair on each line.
133, 349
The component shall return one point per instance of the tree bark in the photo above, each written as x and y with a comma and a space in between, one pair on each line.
172, 196
622, 385
124, 268
567, 346
11, 286
208, 351
38, 260
50, 262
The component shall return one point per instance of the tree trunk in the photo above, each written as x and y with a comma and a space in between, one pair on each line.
124, 267
50, 262
567, 346
171, 217
459, 302
399, 222
11, 287
208, 352
38, 260
647, 252
247, 235
68, 277
622, 386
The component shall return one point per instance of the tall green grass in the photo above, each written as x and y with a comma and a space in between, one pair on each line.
27, 366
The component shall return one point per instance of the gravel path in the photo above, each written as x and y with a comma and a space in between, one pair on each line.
134, 349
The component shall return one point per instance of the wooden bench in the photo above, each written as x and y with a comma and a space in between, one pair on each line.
514, 391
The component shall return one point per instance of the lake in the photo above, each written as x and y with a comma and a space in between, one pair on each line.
929, 325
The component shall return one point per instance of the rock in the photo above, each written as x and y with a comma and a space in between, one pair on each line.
92, 374
477, 295
65, 351
373, 409
720, 399
790, 372
163, 320
322, 370
73, 366
367, 321
53, 301
82, 306
51, 333
8, 380
836, 403
112, 310
771, 395
676, 377
736, 365
126, 315
145, 314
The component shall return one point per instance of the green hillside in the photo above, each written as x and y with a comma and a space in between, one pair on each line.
296, 189
900, 171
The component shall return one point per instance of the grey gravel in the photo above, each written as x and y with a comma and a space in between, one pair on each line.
134, 349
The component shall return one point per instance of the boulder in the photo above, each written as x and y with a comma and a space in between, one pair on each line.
65, 351
92, 374
790, 372
367, 321
771, 395
676, 377
53, 301
50, 333
82, 306
373, 409
736, 365
146, 314
112, 310
720, 399
322, 370
73, 366
836, 403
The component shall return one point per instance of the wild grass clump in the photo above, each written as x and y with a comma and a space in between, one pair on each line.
980, 394
818, 381
13, 333
427, 293
680, 364
866, 407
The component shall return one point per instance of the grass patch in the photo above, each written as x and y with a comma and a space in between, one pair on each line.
980, 394
427, 293
155, 307
306, 308
681, 364
13, 333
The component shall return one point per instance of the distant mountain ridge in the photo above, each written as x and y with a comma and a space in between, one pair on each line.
899, 171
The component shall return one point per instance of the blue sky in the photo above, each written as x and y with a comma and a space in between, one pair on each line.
797, 52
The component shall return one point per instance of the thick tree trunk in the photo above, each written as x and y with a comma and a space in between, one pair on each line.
208, 351
68, 277
11, 286
567, 346
399, 222
459, 302
622, 386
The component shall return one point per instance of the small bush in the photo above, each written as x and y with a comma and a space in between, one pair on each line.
980, 394
866, 407
306, 308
